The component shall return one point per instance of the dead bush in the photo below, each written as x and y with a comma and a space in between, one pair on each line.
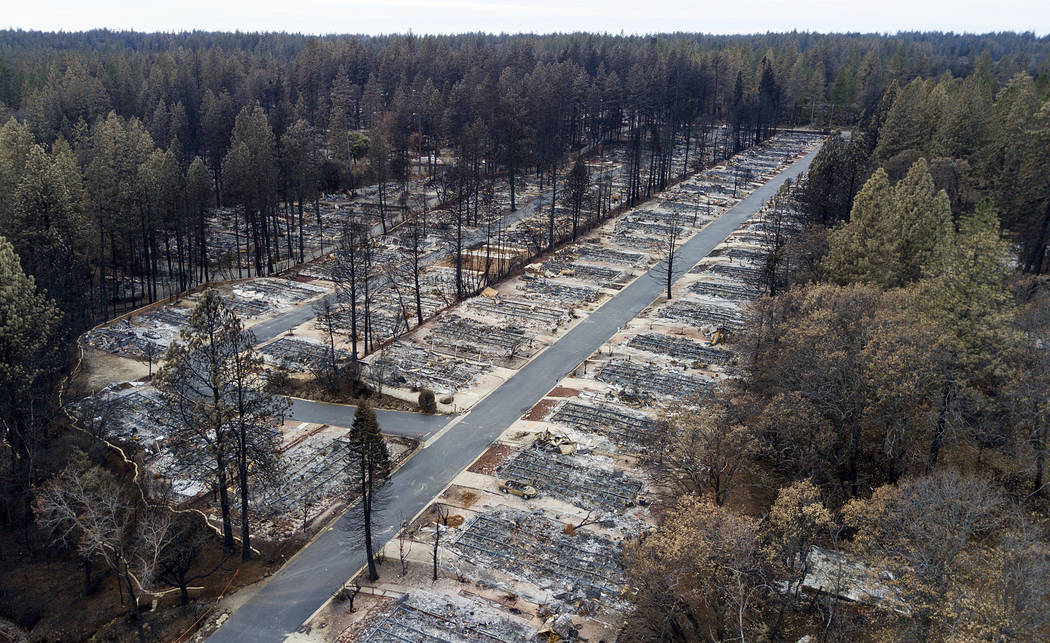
427, 402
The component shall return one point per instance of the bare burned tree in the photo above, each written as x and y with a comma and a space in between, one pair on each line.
774, 238
306, 501
327, 321
179, 559
440, 524
349, 272
462, 182
257, 418
403, 322
151, 352
86, 507
404, 547
742, 175
578, 181
222, 420
589, 519
98, 414
377, 371
416, 240
367, 270
675, 229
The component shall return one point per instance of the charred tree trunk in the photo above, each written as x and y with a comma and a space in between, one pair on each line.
366, 507
938, 434
224, 499
242, 471
1035, 258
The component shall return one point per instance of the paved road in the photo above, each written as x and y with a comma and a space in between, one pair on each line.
306, 581
415, 425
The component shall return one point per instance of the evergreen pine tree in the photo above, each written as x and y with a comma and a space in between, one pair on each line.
30, 366
865, 248
925, 218
368, 459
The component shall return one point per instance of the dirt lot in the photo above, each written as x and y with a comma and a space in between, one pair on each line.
563, 391
100, 369
541, 410
492, 458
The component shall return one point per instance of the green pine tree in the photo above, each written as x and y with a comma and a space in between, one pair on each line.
892, 232
366, 439
907, 125
30, 368
368, 459
925, 218
865, 248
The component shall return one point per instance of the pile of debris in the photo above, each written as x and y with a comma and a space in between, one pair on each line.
567, 478
733, 291
429, 618
299, 354
314, 469
130, 414
122, 339
611, 255
703, 315
680, 348
636, 379
745, 272
620, 424
281, 293
555, 291
463, 334
408, 366
581, 567
144, 336
521, 310
748, 254
604, 277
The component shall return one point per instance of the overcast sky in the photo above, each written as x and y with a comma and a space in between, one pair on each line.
543, 16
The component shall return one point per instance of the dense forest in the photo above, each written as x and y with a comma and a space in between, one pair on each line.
126, 140
892, 400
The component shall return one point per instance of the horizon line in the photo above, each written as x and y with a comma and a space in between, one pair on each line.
620, 34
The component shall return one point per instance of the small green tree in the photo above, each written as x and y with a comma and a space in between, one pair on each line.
909, 122
965, 295
357, 144
367, 459
924, 217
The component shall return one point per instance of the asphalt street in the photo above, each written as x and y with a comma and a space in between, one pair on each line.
414, 425
309, 578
